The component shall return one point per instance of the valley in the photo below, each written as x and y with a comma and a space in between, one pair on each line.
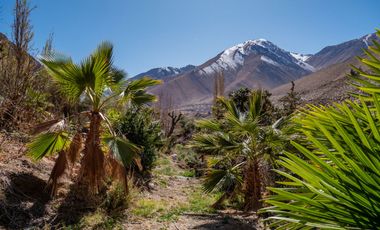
234, 132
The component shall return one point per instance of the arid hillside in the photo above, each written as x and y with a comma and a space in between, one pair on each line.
329, 84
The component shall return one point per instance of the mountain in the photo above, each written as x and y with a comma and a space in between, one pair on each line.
340, 53
323, 86
252, 64
333, 63
164, 72
261, 64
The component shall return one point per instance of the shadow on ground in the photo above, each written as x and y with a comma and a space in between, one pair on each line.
76, 204
23, 200
221, 222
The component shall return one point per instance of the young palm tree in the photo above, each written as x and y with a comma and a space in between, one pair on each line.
335, 183
96, 82
241, 144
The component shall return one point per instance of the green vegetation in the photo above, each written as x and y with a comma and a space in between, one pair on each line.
170, 210
242, 145
335, 182
188, 173
164, 166
138, 125
94, 84
122, 152
290, 101
99, 220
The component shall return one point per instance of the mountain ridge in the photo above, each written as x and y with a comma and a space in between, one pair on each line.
163, 72
252, 64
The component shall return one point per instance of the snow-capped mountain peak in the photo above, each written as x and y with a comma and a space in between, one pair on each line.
168, 70
164, 72
234, 57
367, 39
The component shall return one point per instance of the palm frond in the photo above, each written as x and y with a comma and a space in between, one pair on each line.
97, 68
68, 76
135, 93
123, 150
47, 144
142, 84
216, 143
223, 179
208, 124
44, 126
255, 104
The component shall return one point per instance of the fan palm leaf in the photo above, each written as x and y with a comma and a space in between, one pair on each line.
135, 92
47, 144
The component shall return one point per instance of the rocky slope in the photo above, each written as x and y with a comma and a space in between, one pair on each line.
341, 53
328, 84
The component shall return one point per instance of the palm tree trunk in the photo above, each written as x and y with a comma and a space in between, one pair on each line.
92, 170
252, 186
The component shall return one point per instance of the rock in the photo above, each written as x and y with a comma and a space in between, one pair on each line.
151, 185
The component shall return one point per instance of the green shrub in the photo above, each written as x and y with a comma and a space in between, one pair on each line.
191, 160
116, 200
138, 126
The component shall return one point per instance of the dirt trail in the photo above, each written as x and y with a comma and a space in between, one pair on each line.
178, 203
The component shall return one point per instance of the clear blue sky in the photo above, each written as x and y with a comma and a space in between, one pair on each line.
154, 33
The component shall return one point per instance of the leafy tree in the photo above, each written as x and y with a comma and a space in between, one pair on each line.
95, 84
242, 147
335, 184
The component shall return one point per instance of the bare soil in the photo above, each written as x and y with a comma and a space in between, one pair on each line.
25, 203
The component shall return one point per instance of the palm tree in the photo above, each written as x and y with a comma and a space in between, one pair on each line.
240, 143
335, 182
95, 84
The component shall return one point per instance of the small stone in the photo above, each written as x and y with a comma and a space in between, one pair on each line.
151, 185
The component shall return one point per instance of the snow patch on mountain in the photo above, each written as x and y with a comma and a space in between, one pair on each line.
306, 66
300, 57
301, 61
214, 67
268, 60
366, 39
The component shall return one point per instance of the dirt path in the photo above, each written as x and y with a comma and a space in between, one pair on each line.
177, 202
